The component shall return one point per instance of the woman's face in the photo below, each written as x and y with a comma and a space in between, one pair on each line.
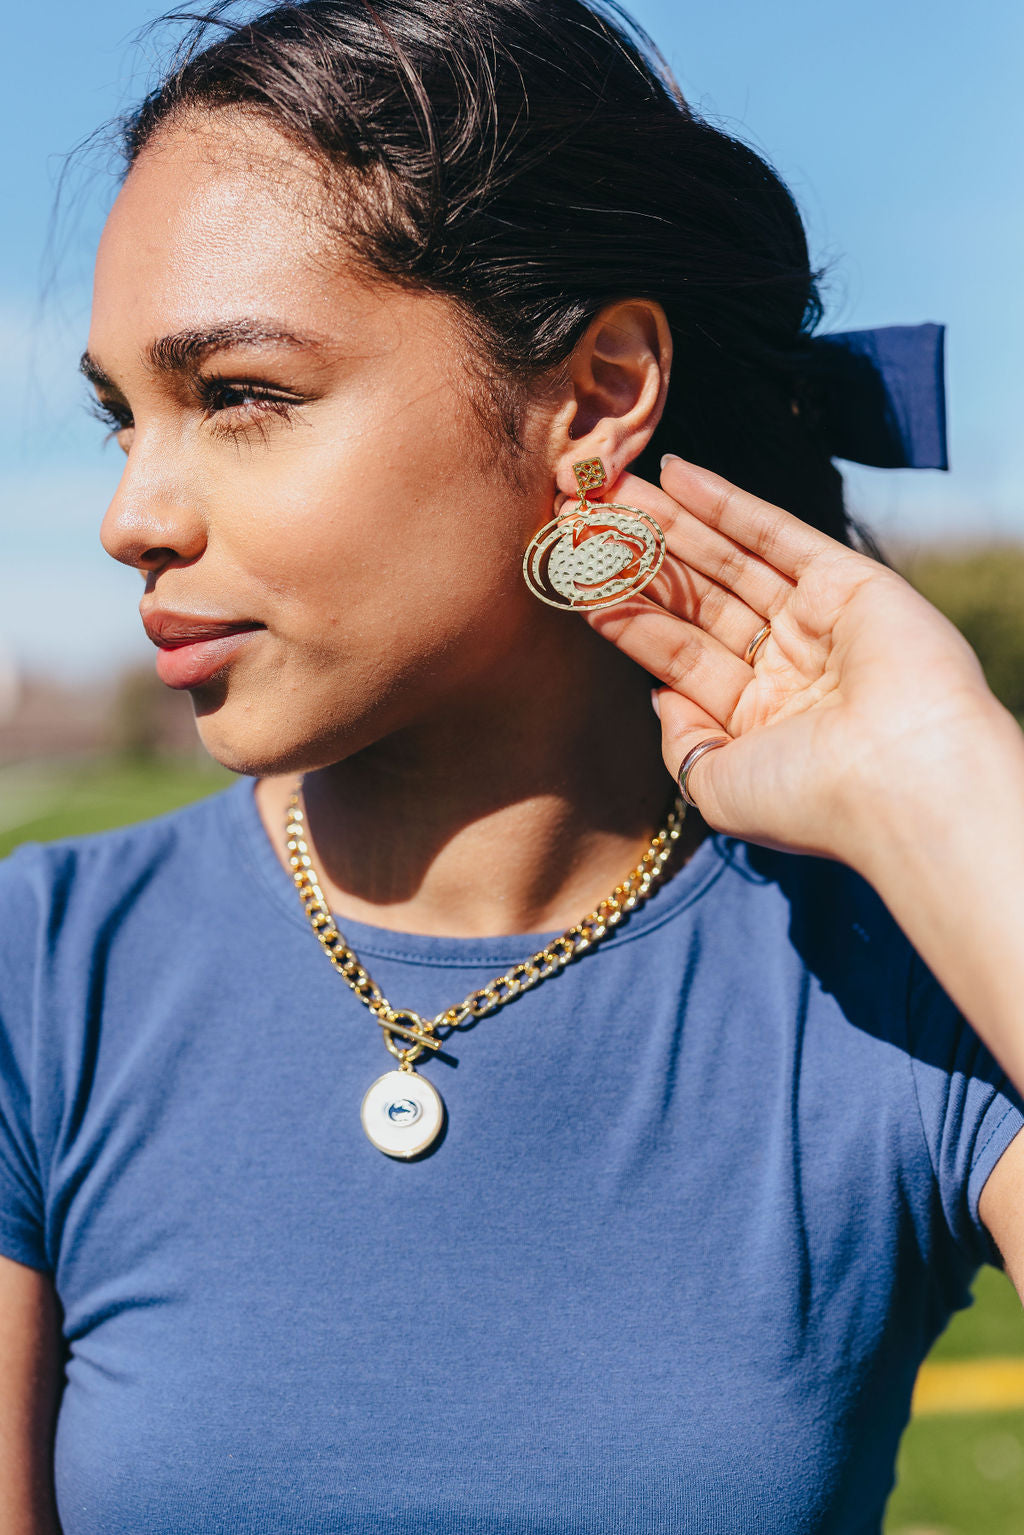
303, 456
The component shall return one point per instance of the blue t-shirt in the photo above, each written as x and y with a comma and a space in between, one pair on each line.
704, 1201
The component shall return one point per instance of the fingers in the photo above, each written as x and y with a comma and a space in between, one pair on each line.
688, 594
779, 538
705, 549
689, 762
685, 727
699, 666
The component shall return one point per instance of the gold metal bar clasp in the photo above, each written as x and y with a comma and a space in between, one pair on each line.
389, 1023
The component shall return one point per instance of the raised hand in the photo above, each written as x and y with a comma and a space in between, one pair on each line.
861, 689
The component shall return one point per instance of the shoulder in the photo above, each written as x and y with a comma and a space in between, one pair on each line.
819, 909
45, 887
798, 880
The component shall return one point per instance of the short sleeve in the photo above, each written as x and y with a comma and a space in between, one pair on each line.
22, 1213
970, 1111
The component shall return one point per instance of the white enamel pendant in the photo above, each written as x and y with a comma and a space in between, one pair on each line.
402, 1113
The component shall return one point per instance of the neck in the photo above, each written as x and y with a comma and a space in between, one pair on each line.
496, 816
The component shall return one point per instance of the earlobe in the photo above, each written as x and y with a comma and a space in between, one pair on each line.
619, 376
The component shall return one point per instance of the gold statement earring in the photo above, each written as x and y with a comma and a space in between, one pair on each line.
596, 553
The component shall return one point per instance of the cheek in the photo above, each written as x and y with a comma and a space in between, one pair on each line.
371, 540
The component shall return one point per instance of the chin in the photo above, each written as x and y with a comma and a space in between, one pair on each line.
261, 745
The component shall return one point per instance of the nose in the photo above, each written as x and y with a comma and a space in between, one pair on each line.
151, 522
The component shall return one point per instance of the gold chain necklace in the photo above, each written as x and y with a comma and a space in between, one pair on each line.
402, 1112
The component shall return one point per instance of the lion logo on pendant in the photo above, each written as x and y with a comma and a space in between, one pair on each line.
595, 560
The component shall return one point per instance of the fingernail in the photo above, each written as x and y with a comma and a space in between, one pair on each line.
656, 702
666, 457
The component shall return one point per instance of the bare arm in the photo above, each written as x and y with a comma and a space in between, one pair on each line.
946, 853
30, 1380
1001, 1206
947, 856
949, 863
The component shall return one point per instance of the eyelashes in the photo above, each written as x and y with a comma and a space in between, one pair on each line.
230, 407
114, 417
250, 403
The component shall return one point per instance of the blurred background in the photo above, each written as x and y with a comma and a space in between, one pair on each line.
899, 129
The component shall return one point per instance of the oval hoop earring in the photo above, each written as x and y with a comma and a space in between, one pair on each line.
596, 553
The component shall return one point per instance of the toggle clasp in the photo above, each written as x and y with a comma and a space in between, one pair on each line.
416, 1029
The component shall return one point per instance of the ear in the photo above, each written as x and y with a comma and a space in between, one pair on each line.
618, 379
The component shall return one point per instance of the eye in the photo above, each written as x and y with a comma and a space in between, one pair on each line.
115, 416
118, 417
247, 402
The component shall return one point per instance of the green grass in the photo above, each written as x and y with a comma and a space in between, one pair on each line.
964, 1474
993, 1325
961, 1475
42, 801
957, 1475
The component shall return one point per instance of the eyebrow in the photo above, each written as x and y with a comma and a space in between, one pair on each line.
183, 351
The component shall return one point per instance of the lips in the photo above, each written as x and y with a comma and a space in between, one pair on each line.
169, 630
194, 647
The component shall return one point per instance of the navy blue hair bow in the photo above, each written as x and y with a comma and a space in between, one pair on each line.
883, 395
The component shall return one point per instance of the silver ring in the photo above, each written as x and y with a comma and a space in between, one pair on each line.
692, 757
758, 640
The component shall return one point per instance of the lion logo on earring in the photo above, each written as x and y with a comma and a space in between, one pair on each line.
596, 553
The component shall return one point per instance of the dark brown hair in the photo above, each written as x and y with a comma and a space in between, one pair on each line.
534, 160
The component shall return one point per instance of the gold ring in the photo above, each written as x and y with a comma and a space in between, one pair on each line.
758, 640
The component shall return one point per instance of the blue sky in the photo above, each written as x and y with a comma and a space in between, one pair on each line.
899, 126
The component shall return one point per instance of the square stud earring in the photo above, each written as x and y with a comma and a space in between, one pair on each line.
596, 553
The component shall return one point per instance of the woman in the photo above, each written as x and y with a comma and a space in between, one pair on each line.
382, 291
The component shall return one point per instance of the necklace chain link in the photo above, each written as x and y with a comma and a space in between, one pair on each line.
423, 1032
